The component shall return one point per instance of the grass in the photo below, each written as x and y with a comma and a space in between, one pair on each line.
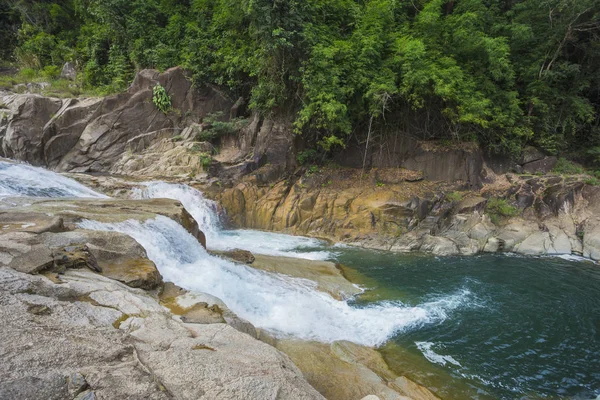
454, 197
498, 209
57, 87
205, 160
566, 167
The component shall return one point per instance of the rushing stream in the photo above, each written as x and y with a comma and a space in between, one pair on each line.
470, 327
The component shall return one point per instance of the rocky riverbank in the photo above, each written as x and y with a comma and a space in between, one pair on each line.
90, 314
527, 214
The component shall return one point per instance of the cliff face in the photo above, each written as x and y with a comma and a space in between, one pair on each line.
543, 216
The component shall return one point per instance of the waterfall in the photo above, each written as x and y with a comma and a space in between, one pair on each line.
18, 180
204, 212
283, 305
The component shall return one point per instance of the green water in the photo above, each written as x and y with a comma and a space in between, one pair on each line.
529, 329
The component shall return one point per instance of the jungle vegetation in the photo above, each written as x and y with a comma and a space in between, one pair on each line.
504, 73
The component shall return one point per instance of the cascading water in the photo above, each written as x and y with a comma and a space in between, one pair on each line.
280, 304
24, 180
531, 337
204, 212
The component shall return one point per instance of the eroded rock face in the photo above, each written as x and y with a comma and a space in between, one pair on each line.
553, 215
92, 135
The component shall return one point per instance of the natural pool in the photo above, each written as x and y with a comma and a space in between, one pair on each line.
529, 327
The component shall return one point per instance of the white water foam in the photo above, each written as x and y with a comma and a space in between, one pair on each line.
18, 180
427, 349
281, 304
204, 212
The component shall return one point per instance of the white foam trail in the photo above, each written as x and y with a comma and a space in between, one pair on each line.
427, 349
18, 180
280, 304
204, 212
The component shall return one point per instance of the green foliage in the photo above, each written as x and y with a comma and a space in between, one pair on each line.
505, 73
161, 98
50, 72
313, 169
205, 160
498, 209
307, 156
566, 167
217, 127
454, 197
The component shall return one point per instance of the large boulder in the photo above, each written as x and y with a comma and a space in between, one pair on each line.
91, 135
22, 137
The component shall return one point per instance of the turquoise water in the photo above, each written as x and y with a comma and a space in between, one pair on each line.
530, 327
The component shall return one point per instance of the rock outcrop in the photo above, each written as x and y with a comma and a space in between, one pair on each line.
344, 370
92, 135
88, 335
548, 215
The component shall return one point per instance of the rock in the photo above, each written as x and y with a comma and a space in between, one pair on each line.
344, 370
76, 384
493, 245
68, 71
371, 397
536, 244
325, 274
243, 256
72, 211
542, 166
29, 114
412, 390
36, 309
150, 356
471, 204
440, 246
74, 257
531, 154
87, 395
92, 135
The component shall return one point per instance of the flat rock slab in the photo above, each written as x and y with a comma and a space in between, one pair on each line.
325, 274
92, 336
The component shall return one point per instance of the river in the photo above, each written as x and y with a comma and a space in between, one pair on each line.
493, 326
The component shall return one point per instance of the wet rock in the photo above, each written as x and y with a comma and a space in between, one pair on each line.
243, 256
344, 370
412, 390
327, 276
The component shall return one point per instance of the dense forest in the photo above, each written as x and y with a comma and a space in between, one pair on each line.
504, 73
